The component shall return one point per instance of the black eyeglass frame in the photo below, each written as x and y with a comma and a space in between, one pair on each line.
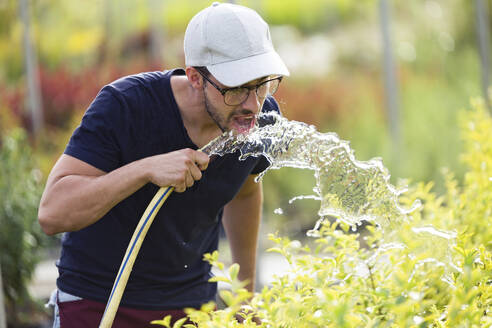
255, 87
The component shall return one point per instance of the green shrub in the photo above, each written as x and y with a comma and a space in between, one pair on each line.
431, 281
20, 234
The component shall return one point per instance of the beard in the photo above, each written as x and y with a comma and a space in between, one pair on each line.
213, 112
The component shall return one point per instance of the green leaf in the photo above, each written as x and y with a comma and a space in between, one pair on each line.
275, 250
166, 322
219, 278
180, 322
227, 297
234, 271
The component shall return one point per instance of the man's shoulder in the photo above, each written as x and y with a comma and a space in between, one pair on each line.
129, 94
144, 79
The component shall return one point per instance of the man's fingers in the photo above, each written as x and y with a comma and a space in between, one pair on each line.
189, 181
180, 188
195, 172
201, 159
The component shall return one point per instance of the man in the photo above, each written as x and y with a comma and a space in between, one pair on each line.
142, 132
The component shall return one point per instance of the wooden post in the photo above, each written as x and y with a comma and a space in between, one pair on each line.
31, 68
3, 317
390, 80
156, 31
483, 37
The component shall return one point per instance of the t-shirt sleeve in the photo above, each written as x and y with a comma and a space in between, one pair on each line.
94, 141
269, 106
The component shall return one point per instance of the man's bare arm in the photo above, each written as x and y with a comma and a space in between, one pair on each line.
78, 194
241, 222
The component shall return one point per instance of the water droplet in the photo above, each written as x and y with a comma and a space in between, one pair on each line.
418, 320
186, 266
416, 296
431, 231
295, 244
304, 197
315, 231
278, 211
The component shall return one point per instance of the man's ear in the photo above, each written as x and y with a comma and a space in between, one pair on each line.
195, 78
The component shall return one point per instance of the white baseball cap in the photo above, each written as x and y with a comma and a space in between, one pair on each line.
234, 43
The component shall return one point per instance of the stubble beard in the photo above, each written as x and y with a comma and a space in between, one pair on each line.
213, 112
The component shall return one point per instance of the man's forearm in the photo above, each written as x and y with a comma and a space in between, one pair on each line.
73, 202
241, 222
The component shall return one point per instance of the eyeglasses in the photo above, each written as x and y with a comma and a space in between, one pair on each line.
237, 95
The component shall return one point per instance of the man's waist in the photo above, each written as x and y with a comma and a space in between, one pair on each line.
141, 294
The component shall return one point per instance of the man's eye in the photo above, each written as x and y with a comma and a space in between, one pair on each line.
238, 91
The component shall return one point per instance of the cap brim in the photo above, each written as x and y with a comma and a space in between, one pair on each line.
238, 72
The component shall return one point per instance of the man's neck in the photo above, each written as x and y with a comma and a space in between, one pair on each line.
191, 104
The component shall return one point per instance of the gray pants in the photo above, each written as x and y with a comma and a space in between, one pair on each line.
58, 296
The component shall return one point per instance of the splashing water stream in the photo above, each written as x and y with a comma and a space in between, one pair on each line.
352, 191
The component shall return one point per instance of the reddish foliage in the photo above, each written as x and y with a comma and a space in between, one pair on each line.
313, 103
12, 100
63, 92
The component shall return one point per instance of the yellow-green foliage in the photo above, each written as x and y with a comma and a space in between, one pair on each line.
475, 202
336, 282
20, 234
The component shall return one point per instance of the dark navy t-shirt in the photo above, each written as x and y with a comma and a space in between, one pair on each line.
130, 119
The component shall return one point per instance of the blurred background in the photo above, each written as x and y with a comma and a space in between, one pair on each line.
389, 76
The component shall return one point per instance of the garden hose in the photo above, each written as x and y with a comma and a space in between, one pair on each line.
131, 254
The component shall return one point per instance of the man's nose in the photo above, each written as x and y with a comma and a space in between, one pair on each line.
252, 103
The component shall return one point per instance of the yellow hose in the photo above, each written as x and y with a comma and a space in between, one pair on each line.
131, 254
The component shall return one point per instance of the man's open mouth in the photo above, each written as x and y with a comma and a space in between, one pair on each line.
243, 123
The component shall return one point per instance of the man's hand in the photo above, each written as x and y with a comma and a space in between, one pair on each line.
179, 169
